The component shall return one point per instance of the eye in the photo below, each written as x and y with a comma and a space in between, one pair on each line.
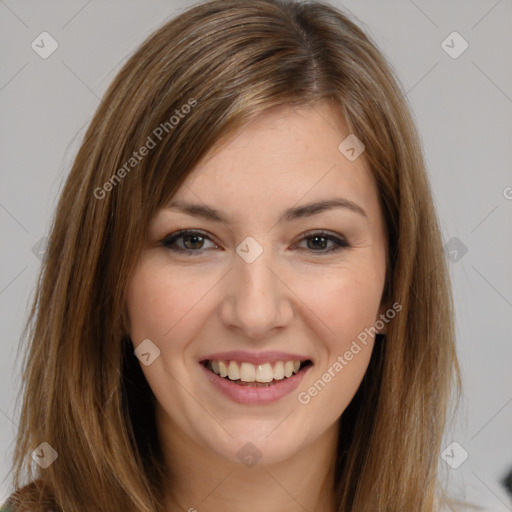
320, 239
193, 242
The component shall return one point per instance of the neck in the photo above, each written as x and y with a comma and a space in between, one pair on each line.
201, 480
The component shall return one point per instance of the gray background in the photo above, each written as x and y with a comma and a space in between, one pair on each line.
463, 108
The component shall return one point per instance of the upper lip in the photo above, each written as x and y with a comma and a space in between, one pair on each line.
255, 358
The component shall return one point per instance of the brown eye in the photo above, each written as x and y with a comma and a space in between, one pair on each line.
192, 241
318, 242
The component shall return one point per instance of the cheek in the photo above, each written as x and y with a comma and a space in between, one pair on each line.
161, 303
355, 307
348, 305
346, 300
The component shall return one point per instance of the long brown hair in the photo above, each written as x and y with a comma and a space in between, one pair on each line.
198, 78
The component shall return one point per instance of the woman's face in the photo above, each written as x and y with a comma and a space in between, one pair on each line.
271, 284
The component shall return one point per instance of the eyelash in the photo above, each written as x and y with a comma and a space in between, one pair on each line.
167, 242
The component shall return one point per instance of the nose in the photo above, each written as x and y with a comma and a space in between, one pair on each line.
256, 300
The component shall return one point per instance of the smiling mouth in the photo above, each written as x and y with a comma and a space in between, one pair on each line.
261, 375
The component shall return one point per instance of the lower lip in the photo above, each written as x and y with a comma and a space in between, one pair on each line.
255, 394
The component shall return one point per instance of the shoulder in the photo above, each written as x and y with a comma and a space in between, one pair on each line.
7, 507
24, 499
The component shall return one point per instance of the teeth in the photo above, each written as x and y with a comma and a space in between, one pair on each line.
223, 370
279, 370
233, 371
248, 372
264, 373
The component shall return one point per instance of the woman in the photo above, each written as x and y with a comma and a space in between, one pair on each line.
244, 303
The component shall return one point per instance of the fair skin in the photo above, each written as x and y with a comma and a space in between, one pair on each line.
295, 297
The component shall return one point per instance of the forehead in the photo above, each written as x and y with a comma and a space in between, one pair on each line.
283, 157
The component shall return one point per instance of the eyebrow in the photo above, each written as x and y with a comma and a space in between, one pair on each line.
298, 212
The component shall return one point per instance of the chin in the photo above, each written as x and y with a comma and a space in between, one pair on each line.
254, 450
